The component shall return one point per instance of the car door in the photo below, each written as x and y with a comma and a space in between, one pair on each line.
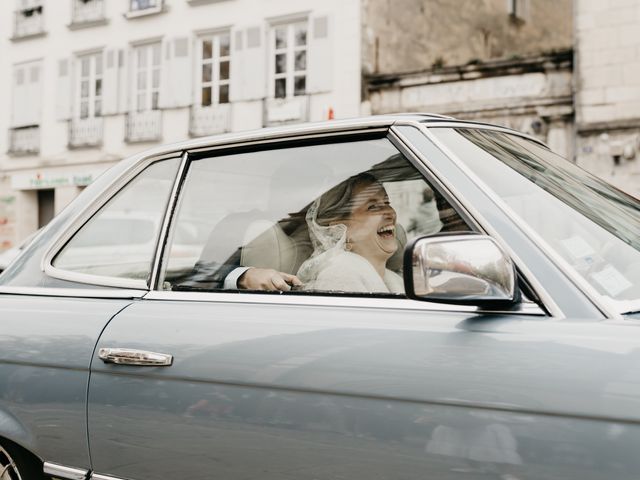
201, 380
46, 343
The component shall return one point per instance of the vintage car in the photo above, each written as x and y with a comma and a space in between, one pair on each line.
397, 297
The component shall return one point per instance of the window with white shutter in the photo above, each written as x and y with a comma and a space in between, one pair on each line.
147, 59
89, 86
288, 43
24, 135
214, 69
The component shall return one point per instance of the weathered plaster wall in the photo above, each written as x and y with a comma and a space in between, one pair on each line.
608, 90
411, 35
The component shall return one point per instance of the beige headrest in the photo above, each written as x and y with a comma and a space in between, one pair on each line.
275, 249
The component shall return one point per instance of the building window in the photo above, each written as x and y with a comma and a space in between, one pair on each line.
138, 5
214, 70
144, 121
89, 86
85, 129
87, 11
289, 59
29, 18
147, 77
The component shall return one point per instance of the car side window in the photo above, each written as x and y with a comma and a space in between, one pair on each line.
315, 218
120, 239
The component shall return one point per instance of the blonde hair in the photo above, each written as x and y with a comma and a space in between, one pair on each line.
336, 204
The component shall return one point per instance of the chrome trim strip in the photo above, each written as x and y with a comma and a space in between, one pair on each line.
73, 292
339, 133
77, 277
61, 471
328, 300
550, 304
481, 126
582, 285
98, 476
164, 229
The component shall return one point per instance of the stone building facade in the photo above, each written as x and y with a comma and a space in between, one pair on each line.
89, 82
498, 61
607, 77
566, 71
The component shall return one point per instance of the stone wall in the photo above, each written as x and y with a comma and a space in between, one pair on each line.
608, 90
411, 35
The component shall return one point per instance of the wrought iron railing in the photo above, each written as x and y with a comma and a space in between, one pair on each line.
86, 132
144, 126
24, 140
209, 120
280, 111
29, 20
87, 11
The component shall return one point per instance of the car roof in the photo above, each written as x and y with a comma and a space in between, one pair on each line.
309, 128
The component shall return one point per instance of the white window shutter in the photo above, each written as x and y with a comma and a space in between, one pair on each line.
166, 99
320, 55
18, 94
175, 82
34, 95
237, 74
255, 64
63, 92
182, 71
110, 82
123, 82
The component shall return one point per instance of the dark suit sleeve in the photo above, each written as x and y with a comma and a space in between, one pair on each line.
209, 275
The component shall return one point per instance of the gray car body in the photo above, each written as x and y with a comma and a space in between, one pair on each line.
317, 387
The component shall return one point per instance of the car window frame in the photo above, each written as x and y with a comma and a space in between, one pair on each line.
319, 298
78, 222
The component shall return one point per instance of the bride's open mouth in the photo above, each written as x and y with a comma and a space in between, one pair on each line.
388, 231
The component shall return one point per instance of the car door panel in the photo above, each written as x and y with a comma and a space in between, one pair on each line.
283, 391
46, 345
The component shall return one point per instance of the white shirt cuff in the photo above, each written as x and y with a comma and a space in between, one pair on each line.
231, 280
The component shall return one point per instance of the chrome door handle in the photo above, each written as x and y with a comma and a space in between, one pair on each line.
128, 356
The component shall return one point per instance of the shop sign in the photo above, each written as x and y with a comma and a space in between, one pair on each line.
30, 181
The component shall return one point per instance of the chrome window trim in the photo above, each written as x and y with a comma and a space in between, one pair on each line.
587, 290
331, 301
99, 476
166, 222
310, 136
76, 223
73, 292
552, 307
434, 123
61, 471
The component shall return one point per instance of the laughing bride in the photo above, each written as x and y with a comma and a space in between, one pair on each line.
352, 229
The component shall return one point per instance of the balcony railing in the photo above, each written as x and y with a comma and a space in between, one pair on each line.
24, 140
279, 111
210, 120
87, 11
86, 132
144, 126
28, 21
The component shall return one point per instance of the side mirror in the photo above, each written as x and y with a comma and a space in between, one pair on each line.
460, 269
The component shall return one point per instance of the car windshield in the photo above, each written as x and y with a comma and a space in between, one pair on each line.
592, 226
